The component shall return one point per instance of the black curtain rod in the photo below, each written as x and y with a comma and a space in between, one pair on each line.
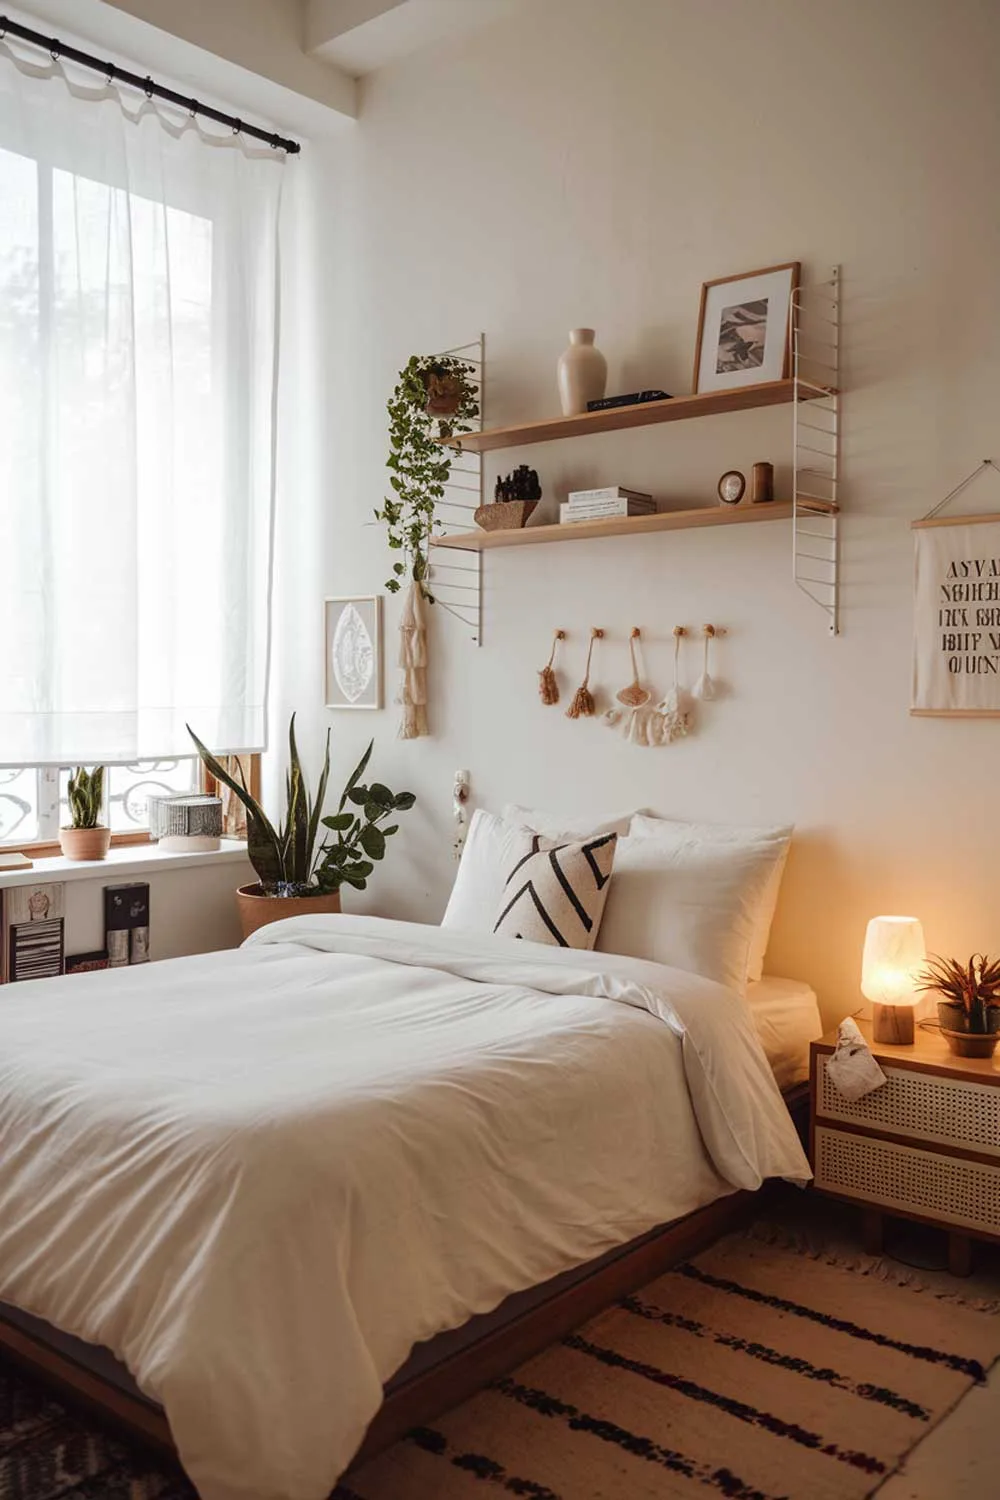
114, 74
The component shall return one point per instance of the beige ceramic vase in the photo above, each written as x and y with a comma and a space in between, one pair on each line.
582, 372
85, 843
257, 910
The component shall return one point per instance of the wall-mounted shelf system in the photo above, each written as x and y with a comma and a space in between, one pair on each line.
457, 584
664, 520
813, 392
677, 409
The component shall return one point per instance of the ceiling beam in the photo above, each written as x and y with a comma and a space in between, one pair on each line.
328, 20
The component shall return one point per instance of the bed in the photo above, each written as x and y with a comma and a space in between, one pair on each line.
260, 1178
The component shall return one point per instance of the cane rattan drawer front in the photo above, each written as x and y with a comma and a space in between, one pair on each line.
916, 1102
962, 1193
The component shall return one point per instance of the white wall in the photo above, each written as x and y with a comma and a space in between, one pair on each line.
593, 164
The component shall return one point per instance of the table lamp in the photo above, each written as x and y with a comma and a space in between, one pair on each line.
894, 951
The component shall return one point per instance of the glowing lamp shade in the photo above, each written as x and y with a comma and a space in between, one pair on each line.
894, 952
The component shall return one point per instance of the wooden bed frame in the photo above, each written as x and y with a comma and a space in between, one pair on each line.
457, 1374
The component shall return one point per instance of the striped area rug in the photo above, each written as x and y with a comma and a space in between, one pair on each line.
756, 1373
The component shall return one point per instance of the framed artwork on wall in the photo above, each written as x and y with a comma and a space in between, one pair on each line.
744, 328
353, 651
956, 632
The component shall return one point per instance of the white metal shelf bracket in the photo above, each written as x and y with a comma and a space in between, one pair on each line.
457, 582
816, 444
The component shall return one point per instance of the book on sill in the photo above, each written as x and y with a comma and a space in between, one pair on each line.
604, 510
608, 492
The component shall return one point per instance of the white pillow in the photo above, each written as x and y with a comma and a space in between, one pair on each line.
692, 905
489, 852
722, 833
556, 826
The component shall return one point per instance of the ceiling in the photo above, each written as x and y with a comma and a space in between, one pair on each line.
361, 36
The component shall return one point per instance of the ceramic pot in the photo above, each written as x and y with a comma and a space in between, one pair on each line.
582, 372
85, 843
257, 910
965, 1043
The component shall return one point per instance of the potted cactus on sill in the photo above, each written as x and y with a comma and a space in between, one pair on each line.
969, 1007
86, 837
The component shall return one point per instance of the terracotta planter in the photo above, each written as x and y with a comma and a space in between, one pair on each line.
965, 1043
257, 910
85, 843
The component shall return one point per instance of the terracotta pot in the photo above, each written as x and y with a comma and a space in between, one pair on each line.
85, 843
257, 910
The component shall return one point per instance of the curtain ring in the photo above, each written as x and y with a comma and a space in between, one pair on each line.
237, 127
193, 108
110, 76
55, 52
148, 87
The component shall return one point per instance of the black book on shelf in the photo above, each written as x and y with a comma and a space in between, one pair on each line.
633, 398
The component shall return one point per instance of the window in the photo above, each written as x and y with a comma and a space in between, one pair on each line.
33, 802
138, 333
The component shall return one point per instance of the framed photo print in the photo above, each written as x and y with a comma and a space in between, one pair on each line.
353, 652
744, 329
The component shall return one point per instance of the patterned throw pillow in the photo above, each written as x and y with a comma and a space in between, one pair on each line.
555, 893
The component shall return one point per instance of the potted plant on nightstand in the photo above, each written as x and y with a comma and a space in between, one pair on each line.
969, 1008
294, 877
86, 837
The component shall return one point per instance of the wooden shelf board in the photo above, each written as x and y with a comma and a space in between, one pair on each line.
677, 409
664, 520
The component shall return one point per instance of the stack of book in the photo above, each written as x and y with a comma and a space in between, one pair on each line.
612, 500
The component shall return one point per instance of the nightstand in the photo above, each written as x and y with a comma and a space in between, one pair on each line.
925, 1146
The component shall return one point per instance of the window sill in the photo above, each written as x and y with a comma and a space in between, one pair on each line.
137, 859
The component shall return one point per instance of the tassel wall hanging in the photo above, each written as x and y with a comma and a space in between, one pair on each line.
548, 687
635, 695
413, 666
705, 688
583, 699
675, 721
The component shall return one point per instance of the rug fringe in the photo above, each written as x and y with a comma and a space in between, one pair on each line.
767, 1232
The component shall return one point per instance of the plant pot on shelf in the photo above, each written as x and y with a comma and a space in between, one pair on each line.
85, 843
444, 393
505, 515
963, 1042
257, 909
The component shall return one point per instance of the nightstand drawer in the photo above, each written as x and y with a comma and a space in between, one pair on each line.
911, 1181
915, 1102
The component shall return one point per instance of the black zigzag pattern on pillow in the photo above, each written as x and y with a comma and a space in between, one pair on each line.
532, 889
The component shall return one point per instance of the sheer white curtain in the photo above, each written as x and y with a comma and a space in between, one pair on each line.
138, 353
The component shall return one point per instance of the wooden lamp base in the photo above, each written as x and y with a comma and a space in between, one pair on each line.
893, 1025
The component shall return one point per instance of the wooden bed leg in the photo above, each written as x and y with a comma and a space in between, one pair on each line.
872, 1230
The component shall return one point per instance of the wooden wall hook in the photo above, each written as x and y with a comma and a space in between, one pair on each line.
713, 630
680, 630
560, 635
597, 633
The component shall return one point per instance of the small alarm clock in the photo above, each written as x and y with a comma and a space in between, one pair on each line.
732, 487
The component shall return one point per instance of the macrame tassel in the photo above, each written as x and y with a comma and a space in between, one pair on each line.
705, 688
583, 706
634, 695
413, 665
675, 722
548, 687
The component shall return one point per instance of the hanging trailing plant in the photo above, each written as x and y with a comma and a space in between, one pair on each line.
434, 398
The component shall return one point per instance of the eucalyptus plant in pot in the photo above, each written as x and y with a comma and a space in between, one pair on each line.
85, 837
435, 398
969, 1007
296, 874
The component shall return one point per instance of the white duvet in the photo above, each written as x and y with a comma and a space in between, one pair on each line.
259, 1177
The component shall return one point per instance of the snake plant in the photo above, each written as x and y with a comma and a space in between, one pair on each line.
86, 797
286, 858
